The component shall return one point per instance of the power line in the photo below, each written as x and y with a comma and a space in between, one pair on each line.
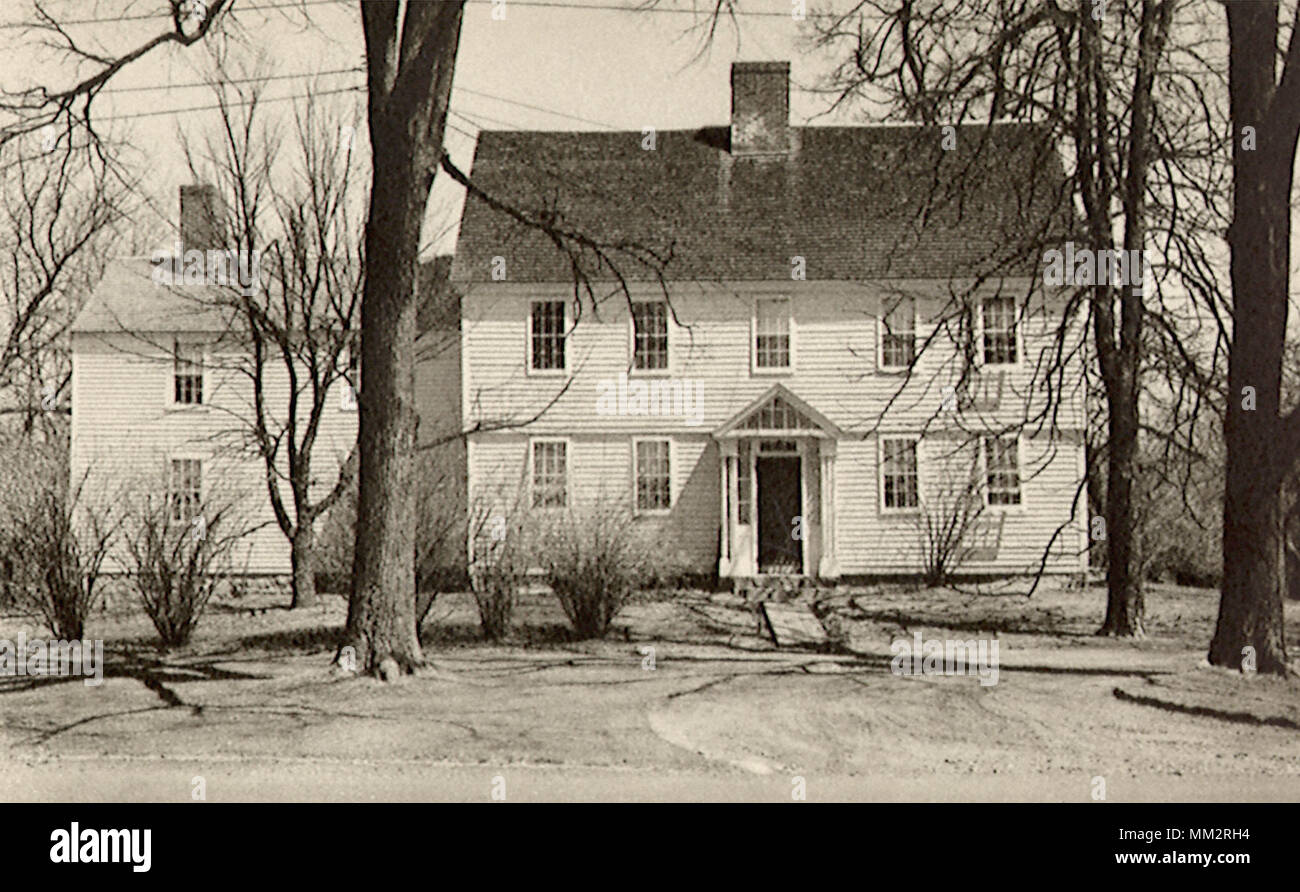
533, 4
186, 85
217, 105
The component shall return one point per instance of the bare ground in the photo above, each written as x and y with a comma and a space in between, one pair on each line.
683, 700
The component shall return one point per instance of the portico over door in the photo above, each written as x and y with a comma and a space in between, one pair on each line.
777, 489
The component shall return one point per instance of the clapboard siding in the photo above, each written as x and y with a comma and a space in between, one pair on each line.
835, 366
124, 433
835, 370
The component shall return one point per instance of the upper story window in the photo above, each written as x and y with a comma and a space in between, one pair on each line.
899, 474
998, 323
546, 336
185, 489
1002, 471
653, 475
187, 374
650, 336
772, 342
898, 334
550, 476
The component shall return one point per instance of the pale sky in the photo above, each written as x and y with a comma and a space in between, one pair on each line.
614, 69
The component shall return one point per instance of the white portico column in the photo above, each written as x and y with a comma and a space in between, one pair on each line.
726, 503
829, 567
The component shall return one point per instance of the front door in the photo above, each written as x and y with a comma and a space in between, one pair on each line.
780, 528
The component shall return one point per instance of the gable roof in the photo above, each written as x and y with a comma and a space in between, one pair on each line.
855, 202
128, 299
776, 412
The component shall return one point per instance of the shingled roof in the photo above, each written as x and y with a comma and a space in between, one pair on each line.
855, 202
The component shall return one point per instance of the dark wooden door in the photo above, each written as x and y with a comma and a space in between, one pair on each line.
778, 509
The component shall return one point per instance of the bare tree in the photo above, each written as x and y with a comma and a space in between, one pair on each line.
1262, 442
1090, 73
298, 327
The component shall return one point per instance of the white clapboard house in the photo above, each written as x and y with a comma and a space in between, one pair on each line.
854, 342
159, 403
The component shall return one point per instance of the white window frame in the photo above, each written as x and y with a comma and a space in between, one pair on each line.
171, 460
1016, 321
528, 337
636, 477
631, 336
205, 392
880, 338
880, 474
1020, 474
533, 442
754, 367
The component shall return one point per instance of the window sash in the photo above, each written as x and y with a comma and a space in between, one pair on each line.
653, 475
898, 335
1001, 471
650, 336
900, 473
185, 489
999, 329
187, 374
547, 335
772, 333
744, 484
550, 474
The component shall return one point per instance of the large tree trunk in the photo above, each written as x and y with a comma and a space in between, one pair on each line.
303, 564
1124, 602
1250, 607
409, 83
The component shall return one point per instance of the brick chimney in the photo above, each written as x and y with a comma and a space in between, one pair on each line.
760, 109
201, 218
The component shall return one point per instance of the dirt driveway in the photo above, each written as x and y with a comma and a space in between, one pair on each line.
684, 701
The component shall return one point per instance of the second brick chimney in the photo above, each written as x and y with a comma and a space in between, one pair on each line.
201, 218
760, 109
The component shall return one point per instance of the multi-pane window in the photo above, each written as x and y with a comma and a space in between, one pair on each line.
999, 323
185, 489
744, 484
653, 476
1001, 471
772, 333
187, 374
898, 335
550, 474
546, 336
898, 473
650, 336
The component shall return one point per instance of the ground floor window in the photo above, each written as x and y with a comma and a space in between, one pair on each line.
185, 489
1001, 471
899, 474
550, 486
653, 473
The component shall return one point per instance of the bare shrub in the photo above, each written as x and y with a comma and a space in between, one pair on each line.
949, 519
499, 568
55, 542
594, 558
177, 559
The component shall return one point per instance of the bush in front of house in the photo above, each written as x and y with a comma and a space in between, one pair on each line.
177, 556
53, 540
594, 558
